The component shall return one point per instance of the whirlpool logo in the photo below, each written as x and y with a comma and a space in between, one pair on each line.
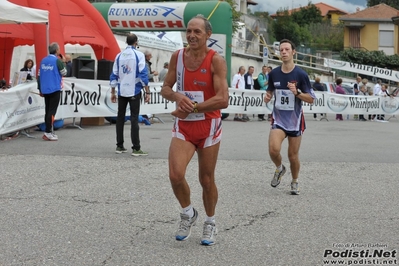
389, 105
337, 104
334, 63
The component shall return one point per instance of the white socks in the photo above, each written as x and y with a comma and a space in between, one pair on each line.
210, 219
189, 211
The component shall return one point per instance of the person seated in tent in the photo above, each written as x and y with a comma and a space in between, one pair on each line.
29, 67
3, 84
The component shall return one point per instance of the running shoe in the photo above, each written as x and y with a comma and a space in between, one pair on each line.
184, 230
294, 188
50, 136
277, 177
139, 153
119, 150
209, 234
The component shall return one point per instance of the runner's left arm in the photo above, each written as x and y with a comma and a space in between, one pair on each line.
221, 99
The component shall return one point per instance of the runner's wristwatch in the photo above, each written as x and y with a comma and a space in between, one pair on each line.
298, 91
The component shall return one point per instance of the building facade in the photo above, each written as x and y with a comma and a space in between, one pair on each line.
372, 29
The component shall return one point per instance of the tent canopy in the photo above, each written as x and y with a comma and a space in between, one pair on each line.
12, 13
70, 21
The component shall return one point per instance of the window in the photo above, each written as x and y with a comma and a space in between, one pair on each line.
386, 38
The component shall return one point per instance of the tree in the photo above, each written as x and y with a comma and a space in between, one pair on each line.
392, 3
372, 58
296, 26
261, 14
307, 15
287, 27
327, 36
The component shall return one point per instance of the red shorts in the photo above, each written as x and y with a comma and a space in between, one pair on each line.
201, 134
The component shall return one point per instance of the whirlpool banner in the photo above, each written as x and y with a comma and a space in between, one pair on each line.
22, 107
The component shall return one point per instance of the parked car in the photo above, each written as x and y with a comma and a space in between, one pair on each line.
330, 87
348, 88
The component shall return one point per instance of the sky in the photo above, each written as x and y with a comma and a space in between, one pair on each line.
272, 6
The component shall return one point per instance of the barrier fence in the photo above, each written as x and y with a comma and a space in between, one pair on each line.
22, 107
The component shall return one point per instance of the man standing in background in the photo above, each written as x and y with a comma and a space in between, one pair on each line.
129, 74
249, 81
51, 71
163, 72
249, 85
68, 63
151, 73
238, 82
263, 84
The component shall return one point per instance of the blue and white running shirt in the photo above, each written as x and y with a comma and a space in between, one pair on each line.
287, 109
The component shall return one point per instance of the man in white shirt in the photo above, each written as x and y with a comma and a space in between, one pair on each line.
377, 88
130, 76
239, 83
238, 79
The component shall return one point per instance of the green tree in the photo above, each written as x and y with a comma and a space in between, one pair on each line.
307, 15
236, 15
261, 14
392, 3
284, 27
296, 26
372, 58
327, 36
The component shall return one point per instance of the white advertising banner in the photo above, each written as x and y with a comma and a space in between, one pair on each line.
22, 107
217, 42
382, 73
92, 98
163, 40
158, 16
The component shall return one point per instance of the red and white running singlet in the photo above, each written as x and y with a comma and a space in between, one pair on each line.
201, 129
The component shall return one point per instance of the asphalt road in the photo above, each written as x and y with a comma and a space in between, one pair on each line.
76, 202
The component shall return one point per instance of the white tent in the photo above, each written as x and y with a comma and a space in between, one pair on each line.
12, 13
15, 14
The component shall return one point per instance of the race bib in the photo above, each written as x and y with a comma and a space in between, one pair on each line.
285, 100
195, 96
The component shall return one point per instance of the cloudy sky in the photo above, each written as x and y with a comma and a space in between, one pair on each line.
272, 6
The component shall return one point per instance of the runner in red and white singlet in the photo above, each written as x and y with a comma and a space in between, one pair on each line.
201, 91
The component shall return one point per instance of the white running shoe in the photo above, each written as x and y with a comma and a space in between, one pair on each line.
50, 136
209, 234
